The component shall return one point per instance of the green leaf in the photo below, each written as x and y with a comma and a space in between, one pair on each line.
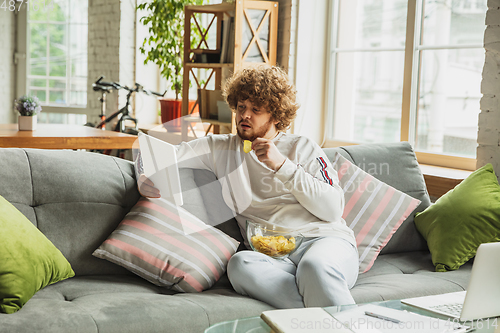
166, 41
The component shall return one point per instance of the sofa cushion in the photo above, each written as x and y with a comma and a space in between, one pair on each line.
28, 260
78, 198
373, 209
405, 275
396, 165
462, 219
126, 304
168, 246
75, 198
15, 176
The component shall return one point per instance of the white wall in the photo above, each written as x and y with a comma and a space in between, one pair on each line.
488, 150
7, 79
147, 75
310, 74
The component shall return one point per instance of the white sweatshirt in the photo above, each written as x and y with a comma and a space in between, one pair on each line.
303, 194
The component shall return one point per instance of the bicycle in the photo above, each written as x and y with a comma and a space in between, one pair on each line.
108, 87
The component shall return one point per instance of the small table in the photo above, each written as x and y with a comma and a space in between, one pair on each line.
186, 133
58, 136
257, 325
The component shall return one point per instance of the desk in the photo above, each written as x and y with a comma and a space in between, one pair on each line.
187, 133
58, 136
219, 127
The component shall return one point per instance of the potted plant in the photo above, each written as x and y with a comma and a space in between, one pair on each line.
165, 47
28, 107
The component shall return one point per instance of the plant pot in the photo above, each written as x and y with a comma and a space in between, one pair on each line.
171, 113
27, 123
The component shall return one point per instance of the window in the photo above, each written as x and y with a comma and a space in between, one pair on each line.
408, 70
56, 58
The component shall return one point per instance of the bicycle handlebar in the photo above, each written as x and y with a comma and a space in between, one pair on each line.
100, 85
113, 85
148, 92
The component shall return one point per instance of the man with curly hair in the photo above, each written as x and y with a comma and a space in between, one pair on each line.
285, 181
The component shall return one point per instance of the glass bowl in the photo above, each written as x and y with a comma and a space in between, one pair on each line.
277, 243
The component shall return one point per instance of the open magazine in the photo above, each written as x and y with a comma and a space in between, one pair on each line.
159, 163
361, 319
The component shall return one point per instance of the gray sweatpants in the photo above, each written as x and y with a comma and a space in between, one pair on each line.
320, 273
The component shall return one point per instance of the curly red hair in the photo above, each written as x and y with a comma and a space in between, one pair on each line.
264, 86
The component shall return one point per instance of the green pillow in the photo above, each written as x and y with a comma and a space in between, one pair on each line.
28, 260
462, 219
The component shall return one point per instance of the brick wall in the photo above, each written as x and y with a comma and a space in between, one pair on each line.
111, 49
488, 150
7, 69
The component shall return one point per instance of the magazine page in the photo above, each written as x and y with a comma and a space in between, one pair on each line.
373, 318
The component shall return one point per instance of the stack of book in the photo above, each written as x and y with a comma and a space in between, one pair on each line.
227, 38
207, 103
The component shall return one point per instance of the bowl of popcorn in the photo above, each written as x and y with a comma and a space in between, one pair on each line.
277, 243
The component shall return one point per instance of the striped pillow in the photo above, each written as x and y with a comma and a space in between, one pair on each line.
373, 209
169, 247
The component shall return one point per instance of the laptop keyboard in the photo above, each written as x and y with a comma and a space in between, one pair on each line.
452, 309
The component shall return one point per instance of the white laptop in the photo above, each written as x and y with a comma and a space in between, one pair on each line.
159, 159
482, 298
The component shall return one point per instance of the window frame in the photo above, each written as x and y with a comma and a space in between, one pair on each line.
21, 61
410, 79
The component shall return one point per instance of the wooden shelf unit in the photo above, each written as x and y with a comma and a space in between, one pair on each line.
241, 11
207, 65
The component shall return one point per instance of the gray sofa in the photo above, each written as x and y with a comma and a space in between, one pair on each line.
77, 199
